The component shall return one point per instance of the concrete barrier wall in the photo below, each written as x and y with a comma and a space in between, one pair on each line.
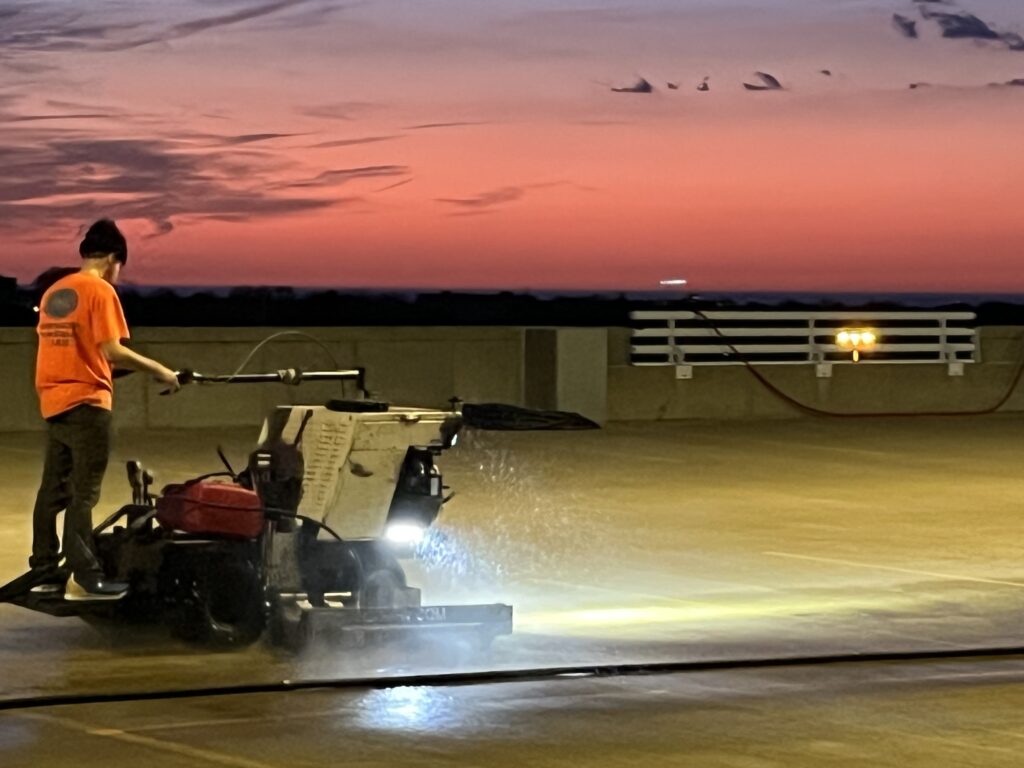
411, 366
732, 392
566, 369
586, 370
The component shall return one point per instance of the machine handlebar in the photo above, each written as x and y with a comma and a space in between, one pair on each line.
292, 376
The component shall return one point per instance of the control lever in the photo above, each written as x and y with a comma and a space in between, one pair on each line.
147, 481
135, 480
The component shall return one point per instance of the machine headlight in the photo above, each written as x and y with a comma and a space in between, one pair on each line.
405, 533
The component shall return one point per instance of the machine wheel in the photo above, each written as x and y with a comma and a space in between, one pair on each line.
224, 608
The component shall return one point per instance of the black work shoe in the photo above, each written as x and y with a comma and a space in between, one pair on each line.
48, 579
93, 586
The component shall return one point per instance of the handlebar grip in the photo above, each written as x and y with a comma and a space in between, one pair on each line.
185, 376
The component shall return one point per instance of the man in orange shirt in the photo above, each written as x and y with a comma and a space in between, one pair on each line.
81, 329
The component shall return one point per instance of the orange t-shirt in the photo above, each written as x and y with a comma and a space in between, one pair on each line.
76, 315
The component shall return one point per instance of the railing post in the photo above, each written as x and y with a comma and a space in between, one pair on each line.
953, 366
814, 355
676, 355
822, 369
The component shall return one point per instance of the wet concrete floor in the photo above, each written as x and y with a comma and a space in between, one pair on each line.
949, 714
641, 542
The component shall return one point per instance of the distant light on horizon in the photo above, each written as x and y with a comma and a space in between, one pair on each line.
674, 281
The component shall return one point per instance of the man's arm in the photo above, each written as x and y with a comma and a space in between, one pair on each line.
119, 355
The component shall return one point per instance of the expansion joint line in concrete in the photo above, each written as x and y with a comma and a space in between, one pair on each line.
541, 674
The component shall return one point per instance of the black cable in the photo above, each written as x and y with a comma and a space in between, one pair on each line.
322, 526
787, 398
279, 334
537, 674
271, 512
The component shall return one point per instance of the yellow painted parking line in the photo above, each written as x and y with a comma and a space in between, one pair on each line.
195, 754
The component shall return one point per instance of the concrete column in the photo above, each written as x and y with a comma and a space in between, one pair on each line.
566, 369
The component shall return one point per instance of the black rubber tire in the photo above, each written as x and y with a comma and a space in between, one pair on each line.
224, 610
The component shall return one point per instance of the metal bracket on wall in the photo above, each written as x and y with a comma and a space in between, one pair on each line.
823, 370
684, 371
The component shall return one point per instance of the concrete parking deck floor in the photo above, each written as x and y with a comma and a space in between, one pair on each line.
941, 715
665, 541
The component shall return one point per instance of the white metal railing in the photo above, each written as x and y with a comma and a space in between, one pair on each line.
735, 337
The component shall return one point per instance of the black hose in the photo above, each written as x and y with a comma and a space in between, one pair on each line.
296, 516
277, 513
564, 674
272, 512
789, 399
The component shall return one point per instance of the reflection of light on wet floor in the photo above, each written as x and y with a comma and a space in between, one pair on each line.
586, 620
407, 708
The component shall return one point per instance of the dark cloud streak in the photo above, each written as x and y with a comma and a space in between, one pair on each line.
640, 86
428, 126
28, 67
42, 31
339, 176
342, 110
252, 138
352, 142
907, 27
38, 118
1013, 41
201, 25
52, 179
401, 183
962, 25
486, 199
954, 25
769, 83
487, 202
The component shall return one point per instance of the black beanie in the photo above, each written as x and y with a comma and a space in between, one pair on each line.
104, 237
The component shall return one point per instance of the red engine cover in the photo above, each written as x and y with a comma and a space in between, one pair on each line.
211, 508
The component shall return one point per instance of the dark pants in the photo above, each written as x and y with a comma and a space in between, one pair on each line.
77, 450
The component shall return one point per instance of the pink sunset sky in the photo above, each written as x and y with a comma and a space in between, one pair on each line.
479, 144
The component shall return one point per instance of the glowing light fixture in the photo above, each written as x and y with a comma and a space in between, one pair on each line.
405, 533
672, 282
856, 340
